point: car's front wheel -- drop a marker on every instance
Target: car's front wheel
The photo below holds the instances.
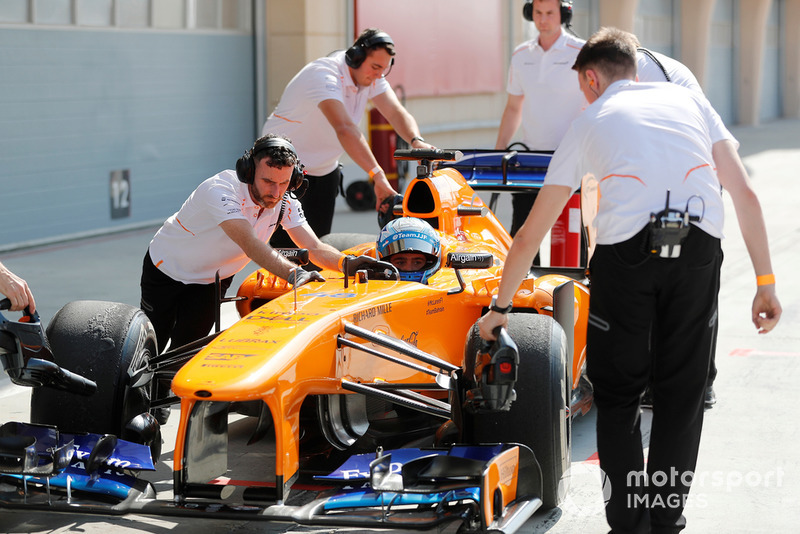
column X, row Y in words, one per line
column 538, row 417
column 109, row 343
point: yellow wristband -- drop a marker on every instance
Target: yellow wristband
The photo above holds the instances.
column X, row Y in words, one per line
column 375, row 171
column 765, row 279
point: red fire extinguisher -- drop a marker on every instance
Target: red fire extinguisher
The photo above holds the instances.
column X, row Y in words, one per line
column 565, row 236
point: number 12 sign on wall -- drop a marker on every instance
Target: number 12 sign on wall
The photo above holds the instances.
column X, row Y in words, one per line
column 120, row 190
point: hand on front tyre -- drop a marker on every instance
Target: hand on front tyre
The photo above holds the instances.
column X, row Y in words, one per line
column 299, row 277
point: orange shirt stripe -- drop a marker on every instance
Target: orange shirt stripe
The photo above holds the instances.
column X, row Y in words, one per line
column 182, row 226
column 288, row 120
column 624, row 176
column 694, row 169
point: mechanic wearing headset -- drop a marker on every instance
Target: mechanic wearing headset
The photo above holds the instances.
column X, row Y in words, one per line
column 642, row 140
column 16, row 289
column 543, row 93
column 223, row 225
column 411, row 245
column 320, row 110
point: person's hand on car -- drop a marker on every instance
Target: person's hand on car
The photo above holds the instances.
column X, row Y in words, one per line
column 351, row 264
column 489, row 322
column 300, row 276
column 16, row 289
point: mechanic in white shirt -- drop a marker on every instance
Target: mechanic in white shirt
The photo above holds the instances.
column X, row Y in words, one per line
column 320, row 110
column 641, row 140
column 656, row 67
column 543, row 92
column 223, row 225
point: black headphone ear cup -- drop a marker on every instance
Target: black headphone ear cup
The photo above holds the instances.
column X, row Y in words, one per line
column 527, row 11
column 245, row 170
column 298, row 176
column 355, row 56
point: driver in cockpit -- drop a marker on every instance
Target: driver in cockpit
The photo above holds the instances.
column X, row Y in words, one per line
column 411, row 245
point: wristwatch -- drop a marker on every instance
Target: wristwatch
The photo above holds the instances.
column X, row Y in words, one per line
column 495, row 308
column 416, row 138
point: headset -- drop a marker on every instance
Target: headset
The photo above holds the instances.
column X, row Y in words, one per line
column 246, row 166
column 566, row 12
column 356, row 54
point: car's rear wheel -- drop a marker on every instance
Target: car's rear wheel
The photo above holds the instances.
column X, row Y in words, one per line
column 538, row 417
column 109, row 343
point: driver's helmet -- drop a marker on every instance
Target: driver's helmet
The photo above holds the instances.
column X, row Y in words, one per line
column 409, row 234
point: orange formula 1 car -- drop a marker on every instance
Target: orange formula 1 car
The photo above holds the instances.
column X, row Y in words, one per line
column 358, row 401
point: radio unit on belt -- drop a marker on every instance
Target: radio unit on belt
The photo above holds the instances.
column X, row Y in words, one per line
column 668, row 229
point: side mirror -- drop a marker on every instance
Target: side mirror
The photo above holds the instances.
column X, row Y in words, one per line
column 467, row 260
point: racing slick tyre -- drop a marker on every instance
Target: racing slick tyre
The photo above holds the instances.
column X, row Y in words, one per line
column 343, row 241
column 109, row 343
column 538, row 417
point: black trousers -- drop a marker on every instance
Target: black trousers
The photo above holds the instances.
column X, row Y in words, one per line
column 319, row 203
column 180, row 313
column 521, row 204
column 651, row 316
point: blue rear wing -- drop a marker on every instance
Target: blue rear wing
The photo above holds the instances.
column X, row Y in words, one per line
column 501, row 170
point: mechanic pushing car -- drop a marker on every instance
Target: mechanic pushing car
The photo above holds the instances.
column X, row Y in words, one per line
column 411, row 245
column 320, row 109
column 660, row 153
column 223, row 225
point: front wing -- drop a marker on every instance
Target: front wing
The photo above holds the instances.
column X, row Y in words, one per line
column 486, row 487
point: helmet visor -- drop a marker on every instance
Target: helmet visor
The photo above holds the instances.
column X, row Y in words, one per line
column 408, row 241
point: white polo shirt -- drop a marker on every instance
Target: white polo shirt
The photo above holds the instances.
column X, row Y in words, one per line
column 649, row 71
column 191, row 245
column 552, row 95
column 640, row 140
column 298, row 116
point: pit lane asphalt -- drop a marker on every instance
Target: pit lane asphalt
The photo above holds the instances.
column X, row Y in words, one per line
column 748, row 475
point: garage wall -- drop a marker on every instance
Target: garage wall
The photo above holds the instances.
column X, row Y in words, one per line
column 165, row 109
column 720, row 86
column 654, row 25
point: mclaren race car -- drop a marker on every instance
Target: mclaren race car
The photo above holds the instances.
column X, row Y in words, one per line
column 364, row 400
